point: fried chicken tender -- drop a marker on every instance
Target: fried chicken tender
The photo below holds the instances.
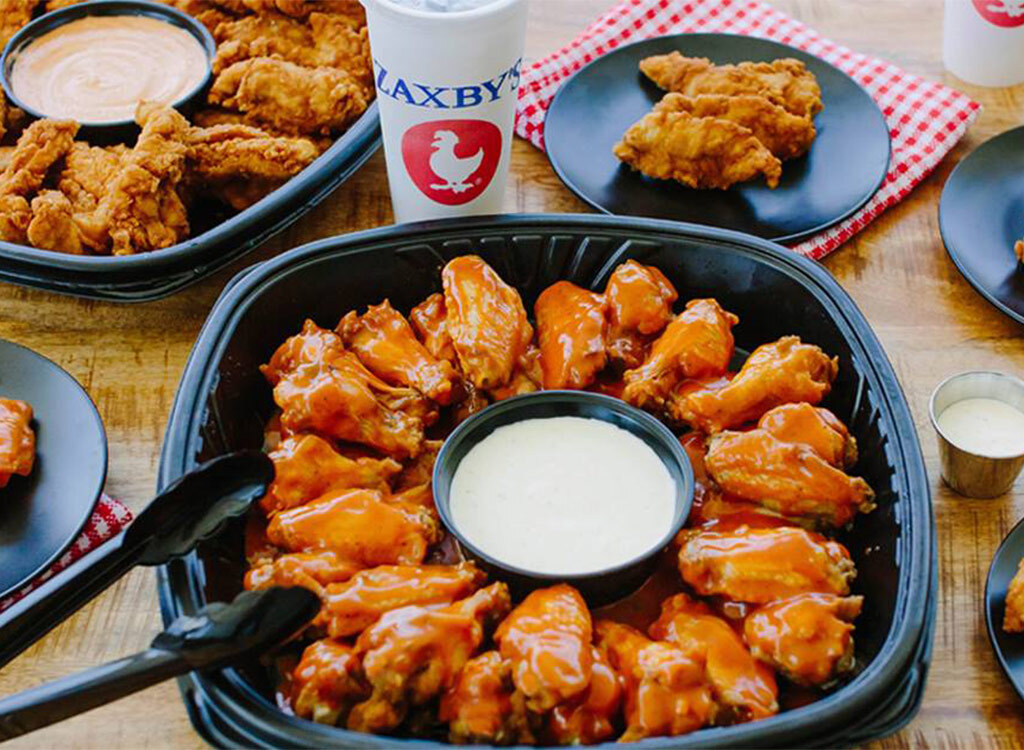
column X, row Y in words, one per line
column 13, row 15
column 547, row 639
column 808, row 638
column 697, row 343
column 743, row 688
column 359, row 526
column 327, row 682
column 53, row 224
column 15, row 217
column 640, row 302
column 385, row 342
column 229, row 152
column 289, row 98
column 303, row 8
column 762, row 565
column 354, row 605
column 1013, row 617
column 786, row 81
column 590, row 717
column 483, row 706
column 310, row 570
column 39, row 148
column 307, row 467
column 486, row 321
column 89, row 172
column 789, row 478
column 699, row 152
column 571, row 330
column 17, row 440
column 142, row 210
column 786, row 135
column 415, row 654
column 785, row 371
column 666, row 693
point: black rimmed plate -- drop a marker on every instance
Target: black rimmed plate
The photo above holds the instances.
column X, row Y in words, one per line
column 1009, row 647
column 981, row 216
column 42, row 514
column 844, row 168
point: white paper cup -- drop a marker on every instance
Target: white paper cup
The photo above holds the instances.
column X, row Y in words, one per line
column 446, row 87
column 983, row 41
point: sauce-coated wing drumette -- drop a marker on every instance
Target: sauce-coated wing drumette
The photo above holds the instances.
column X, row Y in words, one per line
column 592, row 716
column 808, row 638
column 352, row 606
column 414, row 654
column 548, row 640
column 785, row 371
column 666, row 693
column 744, row 688
column 697, row 343
column 311, row 570
column 483, row 707
column 327, row 682
column 486, row 321
column 815, row 427
column 762, row 565
column 571, row 330
column 385, row 342
column 640, row 302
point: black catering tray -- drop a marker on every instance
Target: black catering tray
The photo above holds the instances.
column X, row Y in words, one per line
column 222, row 403
column 149, row 276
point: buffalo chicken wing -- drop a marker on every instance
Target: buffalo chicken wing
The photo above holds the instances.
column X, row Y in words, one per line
column 484, row 707
column 640, row 302
column 17, row 439
column 571, row 331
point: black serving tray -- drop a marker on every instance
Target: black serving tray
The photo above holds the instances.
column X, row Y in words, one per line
column 223, row 401
column 149, row 276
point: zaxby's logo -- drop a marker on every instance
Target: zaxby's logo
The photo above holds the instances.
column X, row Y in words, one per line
column 418, row 94
column 1007, row 14
column 452, row 161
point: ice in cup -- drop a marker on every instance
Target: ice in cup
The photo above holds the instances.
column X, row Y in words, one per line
column 447, row 77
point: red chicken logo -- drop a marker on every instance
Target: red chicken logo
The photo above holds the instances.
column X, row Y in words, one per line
column 452, row 161
column 1007, row 14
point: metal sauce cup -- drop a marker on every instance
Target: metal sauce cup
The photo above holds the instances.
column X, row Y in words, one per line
column 972, row 474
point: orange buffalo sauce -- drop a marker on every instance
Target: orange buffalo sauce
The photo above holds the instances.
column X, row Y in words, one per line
column 97, row 69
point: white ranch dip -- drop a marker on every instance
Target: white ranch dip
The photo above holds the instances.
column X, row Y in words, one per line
column 562, row 495
column 984, row 426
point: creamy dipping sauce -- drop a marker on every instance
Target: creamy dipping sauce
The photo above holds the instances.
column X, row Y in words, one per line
column 984, row 426
column 97, row 69
column 562, row 495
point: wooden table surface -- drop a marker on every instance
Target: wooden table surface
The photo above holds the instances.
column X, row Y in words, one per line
column 129, row 358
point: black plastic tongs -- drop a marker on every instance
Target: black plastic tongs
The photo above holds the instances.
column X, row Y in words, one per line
column 191, row 509
column 216, row 636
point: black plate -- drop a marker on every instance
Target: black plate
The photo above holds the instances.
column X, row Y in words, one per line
column 845, row 166
column 981, row 215
column 42, row 514
column 223, row 402
column 1009, row 647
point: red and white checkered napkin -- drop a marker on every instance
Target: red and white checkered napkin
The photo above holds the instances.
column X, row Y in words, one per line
column 107, row 521
column 925, row 119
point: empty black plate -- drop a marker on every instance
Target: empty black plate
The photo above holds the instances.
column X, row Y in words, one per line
column 845, row 166
column 42, row 514
column 981, row 215
column 1009, row 647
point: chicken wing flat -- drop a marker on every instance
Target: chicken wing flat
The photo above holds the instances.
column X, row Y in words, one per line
column 527, row 376
column 310, row 570
column 1013, row 617
column 227, row 152
column 308, row 347
column 13, row 15
column 699, row 152
column 17, row 439
column 697, row 343
column 385, row 342
column 762, row 565
column 290, row 98
column 307, row 467
column 327, row 682
column 53, row 224
column 571, row 330
column 429, row 320
column 786, row 135
column 785, row 371
column 743, row 688
column 666, row 693
column 817, row 428
column 786, row 81
column 89, row 172
column 486, row 321
column 359, row 526
column 483, row 707
column 354, row 605
column 415, row 654
column 789, row 478
column 590, row 717
column 808, row 638
column 640, row 302
column 547, row 639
